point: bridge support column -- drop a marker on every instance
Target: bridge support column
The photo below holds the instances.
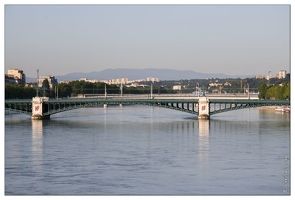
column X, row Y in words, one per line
column 204, row 108
column 37, row 108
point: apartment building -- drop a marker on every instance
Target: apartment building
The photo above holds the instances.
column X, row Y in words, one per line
column 51, row 80
column 15, row 76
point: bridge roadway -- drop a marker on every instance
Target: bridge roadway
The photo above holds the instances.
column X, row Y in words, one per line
column 43, row 107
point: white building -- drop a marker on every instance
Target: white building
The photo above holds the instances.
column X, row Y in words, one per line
column 152, row 79
column 282, row 74
column 137, row 81
column 51, row 80
column 15, row 76
column 260, row 76
column 176, row 87
column 119, row 81
column 90, row 81
column 215, row 84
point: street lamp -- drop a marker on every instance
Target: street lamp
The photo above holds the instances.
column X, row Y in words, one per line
column 197, row 89
column 248, row 91
column 37, row 95
column 268, row 77
column 151, row 90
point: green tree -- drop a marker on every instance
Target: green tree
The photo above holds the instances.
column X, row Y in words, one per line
column 286, row 90
column 46, row 90
column 19, row 92
column 45, row 84
column 64, row 90
column 262, row 91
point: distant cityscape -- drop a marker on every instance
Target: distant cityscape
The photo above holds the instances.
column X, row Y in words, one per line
column 17, row 76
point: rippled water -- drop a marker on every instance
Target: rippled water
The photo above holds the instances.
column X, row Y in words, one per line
column 145, row 150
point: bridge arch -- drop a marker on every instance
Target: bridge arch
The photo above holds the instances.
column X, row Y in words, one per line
column 54, row 108
column 229, row 105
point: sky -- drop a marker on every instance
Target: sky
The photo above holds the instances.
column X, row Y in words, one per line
column 246, row 39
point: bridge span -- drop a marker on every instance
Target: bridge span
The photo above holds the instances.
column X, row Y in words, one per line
column 203, row 107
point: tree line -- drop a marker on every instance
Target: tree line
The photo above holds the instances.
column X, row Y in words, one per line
column 74, row 88
column 280, row 92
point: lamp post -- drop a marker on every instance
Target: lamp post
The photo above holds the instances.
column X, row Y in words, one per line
column 197, row 89
column 248, row 91
column 37, row 95
column 203, row 90
column 105, row 91
column 268, row 77
column 151, row 90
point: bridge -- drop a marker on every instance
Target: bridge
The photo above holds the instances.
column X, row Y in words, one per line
column 203, row 107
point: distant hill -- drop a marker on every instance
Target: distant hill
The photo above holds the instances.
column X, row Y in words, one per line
column 133, row 74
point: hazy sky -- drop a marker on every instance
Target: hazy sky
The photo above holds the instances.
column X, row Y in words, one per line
column 229, row 39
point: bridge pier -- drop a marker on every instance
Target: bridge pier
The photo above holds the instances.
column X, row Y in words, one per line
column 37, row 108
column 204, row 108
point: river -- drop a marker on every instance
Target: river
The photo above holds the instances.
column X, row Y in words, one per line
column 142, row 150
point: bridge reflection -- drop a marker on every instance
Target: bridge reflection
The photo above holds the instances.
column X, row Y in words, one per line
column 37, row 145
column 203, row 153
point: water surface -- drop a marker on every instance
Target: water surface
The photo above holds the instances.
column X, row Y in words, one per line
column 141, row 150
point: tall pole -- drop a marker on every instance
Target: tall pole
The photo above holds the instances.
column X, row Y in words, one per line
column 248, row 91
column 151, row 90
column 105, row 90
column 197, row 89
column 268, row 77
column 37, row 95
column 121, row 88
column 203, row 90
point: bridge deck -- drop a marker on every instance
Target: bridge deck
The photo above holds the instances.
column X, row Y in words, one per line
column 52, row 106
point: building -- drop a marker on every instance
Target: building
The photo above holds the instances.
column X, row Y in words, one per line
column 227, row 84
column 152, row 79
column 119, row 81
column 282, row 74
column 215, row 84
column 51, row 80
column 137, row 81
column 176, row 87
column 15, row 76
column 260, row 77
column 90, row 81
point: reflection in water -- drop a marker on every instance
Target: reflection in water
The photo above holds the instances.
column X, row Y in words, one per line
column 271, row 113
column 147, row 151
column 37, row 144
column 203, row 141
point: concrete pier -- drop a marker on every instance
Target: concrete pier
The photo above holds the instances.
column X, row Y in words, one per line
column 204, row 108
column 37, row 108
